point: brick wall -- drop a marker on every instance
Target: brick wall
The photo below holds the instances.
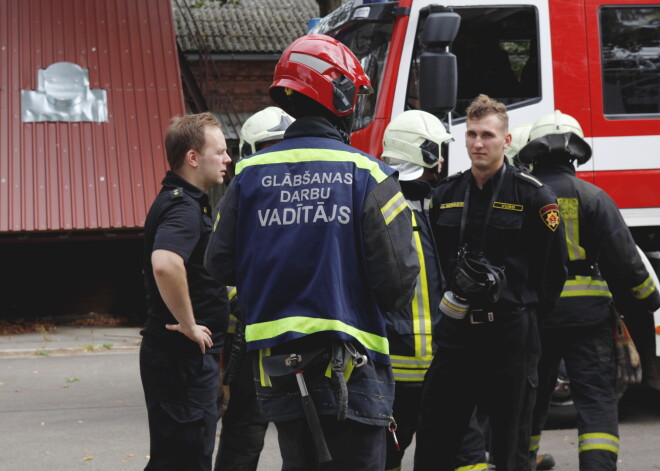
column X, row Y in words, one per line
column 246, row 83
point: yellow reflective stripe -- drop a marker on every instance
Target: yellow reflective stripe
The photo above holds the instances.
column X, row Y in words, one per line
column 569, row 208
column 314, row 155
column 598, row 441
column 348, row 369
column 393, row 207
column 534, row 442
column 408, row 375
column 401, row 361
column 217, row 220
column 263, row 377
column 421, row 309
column 644, row 290
column 311, row 325
column 585, row 286
column 231, row 326
column 472, row 467
column 232, row 292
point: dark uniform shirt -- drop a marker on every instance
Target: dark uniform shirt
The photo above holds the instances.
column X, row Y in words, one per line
column 180, row 221
column 523, row 234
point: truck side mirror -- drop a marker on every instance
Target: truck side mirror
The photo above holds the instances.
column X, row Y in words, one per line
column 438, row 70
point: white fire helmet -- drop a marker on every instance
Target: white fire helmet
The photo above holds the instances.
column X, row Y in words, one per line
column 264, row 126
column 519, row 137
column 555, row 123
column 555, row 137
column 414, row 140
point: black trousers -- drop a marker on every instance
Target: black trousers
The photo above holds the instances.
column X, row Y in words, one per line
column 407, row 404
column 354, row 446
column 589, row 355
column 181, row 394
column 243, row 426
column 476, row 364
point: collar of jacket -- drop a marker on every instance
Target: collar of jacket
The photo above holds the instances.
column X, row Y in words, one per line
column 312, row 126
column 554, row 169
column 416, row 190
column 490, row 183
column 174, row 180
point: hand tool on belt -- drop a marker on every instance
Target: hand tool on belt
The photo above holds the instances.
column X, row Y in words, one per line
column 281, row 365
column 341, row 353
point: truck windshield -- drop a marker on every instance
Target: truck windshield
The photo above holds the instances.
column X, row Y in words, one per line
column 370, row 42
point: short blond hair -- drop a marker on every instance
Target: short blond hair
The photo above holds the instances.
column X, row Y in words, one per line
column 185, row 133
column 484, row 105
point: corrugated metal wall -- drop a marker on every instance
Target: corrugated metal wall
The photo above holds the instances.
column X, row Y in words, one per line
column 86, row 176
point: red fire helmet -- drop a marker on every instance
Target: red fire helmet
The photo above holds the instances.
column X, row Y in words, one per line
column 323, row 69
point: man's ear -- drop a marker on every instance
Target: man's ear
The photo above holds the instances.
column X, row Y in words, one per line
column 192, row 158
column 507, row 140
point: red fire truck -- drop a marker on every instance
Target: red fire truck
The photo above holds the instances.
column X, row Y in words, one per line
column 597, row 60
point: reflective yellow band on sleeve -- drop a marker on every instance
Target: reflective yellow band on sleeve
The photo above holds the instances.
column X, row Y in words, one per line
column 585, row 286
column 393, row 207
column 217, row 220
column 644, row 290
column 421, row 305
column 598, row 441
column 311, row 325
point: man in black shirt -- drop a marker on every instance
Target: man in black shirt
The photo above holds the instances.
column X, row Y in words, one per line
column 502, row 254
column 187, row 310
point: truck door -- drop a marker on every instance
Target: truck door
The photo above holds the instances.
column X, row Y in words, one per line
column 501, row 50
column 624, row 73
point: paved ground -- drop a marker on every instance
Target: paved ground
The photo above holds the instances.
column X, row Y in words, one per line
column 71, row 398
column 68, row 340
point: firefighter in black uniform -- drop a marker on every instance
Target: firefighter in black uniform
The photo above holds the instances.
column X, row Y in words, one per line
column 413, row 144
column 502, row 250
column 187, row 310
column 243, row 425
column 603, row 263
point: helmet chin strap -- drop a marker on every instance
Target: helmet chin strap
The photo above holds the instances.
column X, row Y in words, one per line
column 344, row 125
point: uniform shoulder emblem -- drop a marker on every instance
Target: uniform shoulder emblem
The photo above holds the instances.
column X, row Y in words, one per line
column 451, row 177
column 529, row 179
column 550, row 216
column 176, row 193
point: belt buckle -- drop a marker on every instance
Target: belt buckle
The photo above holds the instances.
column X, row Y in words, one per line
column 491, row 316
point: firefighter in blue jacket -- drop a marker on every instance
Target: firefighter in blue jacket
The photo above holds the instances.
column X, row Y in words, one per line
column 603, row 264
column 316, row 236
column 413, row 144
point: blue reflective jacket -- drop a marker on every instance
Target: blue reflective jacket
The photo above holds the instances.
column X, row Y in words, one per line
column 321, row 241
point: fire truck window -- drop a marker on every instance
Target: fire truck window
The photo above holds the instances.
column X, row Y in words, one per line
column 630, row 57
column 370, row 43
column 497, row 54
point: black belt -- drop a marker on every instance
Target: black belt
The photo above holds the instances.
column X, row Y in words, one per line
column 484, row 316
